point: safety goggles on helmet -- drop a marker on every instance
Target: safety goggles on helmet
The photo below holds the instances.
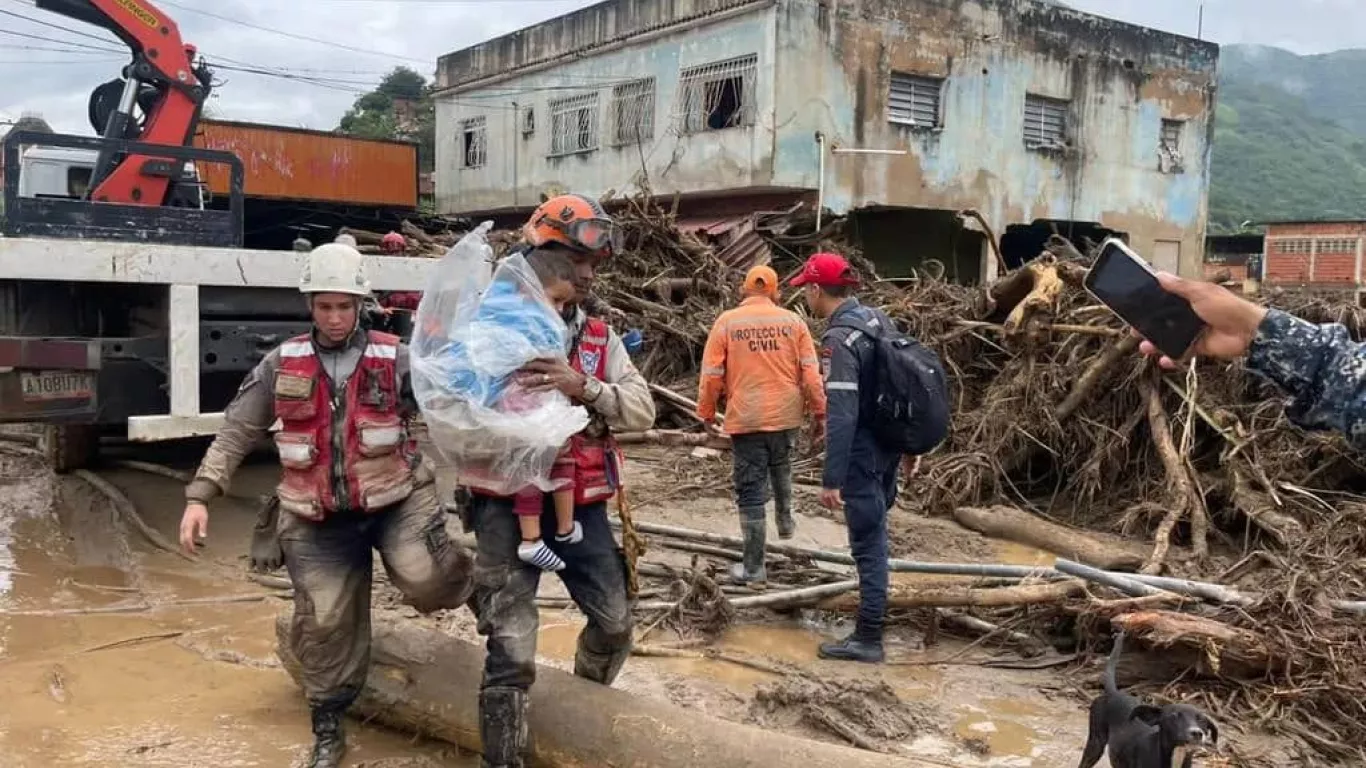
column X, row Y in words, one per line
column 597, row 236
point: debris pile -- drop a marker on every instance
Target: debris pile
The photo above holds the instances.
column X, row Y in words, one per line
column 1197, row 474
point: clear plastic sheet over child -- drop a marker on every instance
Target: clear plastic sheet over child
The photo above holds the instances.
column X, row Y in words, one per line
column 478, row 323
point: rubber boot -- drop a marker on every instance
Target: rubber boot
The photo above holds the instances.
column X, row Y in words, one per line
column 329, row 737
column 502, row 727
column 601, row 668
column 755, row 529
column 863, row 645
column 266, row 554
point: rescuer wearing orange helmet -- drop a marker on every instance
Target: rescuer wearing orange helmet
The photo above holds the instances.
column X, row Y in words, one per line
column 600, row 376
column 761, row 357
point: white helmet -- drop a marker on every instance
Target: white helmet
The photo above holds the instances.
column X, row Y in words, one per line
column 335, row 268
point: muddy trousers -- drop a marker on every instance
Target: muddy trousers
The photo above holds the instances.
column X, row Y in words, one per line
column 505, row 604
column 330, row 564
column 869, row 492
column 760, row 461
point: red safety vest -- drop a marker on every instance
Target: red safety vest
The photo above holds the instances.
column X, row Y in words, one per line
column 596, row 473
column 376, row 452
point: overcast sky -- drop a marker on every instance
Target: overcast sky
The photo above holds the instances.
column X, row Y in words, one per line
column 327, row 77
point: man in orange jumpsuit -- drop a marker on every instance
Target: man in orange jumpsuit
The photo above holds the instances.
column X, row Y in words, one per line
column 762, row 359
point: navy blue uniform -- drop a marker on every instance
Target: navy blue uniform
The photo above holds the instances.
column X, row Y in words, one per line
column 863, row 472
column 1322, row 369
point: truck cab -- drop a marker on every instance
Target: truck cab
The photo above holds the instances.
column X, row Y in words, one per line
column 64, row 173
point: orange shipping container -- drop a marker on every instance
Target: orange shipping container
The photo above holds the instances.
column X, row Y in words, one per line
column 297, row 164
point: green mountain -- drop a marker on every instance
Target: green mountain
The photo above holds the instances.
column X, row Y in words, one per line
column 1289, row 137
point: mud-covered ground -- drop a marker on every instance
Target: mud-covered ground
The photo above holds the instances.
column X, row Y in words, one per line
column 115, row 654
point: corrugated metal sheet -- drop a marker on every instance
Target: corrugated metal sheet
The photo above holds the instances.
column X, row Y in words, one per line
column 294, row 164
column 735, row 238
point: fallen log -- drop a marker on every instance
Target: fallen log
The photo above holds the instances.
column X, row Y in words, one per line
column 1220, row 647
column 1000, row 522
column 991, row 570
column 670, row 437
column 900, row 596
column 425, row 682
column 792, row 598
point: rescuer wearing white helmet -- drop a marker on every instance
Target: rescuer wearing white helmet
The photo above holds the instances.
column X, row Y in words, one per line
column 351, row 482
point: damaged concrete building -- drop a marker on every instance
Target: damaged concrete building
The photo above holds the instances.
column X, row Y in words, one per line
column 901, row 113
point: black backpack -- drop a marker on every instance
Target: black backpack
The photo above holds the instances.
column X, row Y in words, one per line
column 910, row 401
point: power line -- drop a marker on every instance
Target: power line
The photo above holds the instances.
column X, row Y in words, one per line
column 49, row 24
column 46, row 39
column 282, row 33
column 14, row 47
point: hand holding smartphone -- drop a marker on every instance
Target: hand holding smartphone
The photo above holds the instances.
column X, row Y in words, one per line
column 1121, row 280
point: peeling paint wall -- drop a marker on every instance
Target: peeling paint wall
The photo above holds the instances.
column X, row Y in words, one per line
column 825, row 66
column 519, row 167
column 835, row 62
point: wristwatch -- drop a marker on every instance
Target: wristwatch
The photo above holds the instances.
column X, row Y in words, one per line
column 592, row 389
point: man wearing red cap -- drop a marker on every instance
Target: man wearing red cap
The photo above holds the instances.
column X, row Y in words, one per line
column 859, row 475
column 762, row 359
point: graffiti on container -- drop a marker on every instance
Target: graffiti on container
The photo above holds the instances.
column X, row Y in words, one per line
column 256, row 160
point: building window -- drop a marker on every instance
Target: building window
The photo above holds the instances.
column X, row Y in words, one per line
column 1337, row 246
column 1169, row 147
column 633, row 112
column 1294, row 245
column 574, row 124
column 1045, row 122
column 914, row 100
column 528, row 122
column 473, row 142
column 717, row 96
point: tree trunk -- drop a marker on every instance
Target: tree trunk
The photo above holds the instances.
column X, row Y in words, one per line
column 1019, row 526
column 427, row 682
column 900, row 596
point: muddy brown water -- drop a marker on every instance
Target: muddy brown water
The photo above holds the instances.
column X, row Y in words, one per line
column 91, row 676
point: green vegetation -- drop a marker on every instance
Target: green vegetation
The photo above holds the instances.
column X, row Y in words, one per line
column 400, row 107
column 1290, row 137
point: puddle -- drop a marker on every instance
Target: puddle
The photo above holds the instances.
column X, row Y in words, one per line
column 996, row 729
column 1011, row 553
column 190, row 687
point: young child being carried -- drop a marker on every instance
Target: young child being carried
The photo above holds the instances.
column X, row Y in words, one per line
column 556, row 273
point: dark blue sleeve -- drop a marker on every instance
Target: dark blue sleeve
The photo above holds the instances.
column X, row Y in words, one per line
column 841, row 368
column 1321, row 368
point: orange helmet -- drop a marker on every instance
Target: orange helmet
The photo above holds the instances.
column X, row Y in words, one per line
column 573, row 221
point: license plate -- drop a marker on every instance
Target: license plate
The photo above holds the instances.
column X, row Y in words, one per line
column 46, row 386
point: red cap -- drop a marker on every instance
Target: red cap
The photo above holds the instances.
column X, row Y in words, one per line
column 826, row 269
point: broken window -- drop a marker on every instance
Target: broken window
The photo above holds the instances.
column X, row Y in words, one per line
column 1294, row 245
column 914, row 100
column 473, row 142
column 1045, row 122
column 1169, row 147
column 633, row 112
column 574, row 124
column 717, row 96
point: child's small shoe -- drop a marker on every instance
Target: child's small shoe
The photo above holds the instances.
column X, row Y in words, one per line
column 574, row 536
column 538, row 554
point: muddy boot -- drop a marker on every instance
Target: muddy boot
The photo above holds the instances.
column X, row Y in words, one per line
column 266, row 554
column 782, row 504
column 751, row 571
column 329, row 738
column 860, row 646
column 502, row 727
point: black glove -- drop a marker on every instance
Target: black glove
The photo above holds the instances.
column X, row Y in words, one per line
column 266, row 554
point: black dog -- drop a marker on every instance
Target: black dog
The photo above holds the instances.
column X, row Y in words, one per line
column 1141, row 735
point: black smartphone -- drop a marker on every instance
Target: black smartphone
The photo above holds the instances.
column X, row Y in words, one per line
column 1124, row 282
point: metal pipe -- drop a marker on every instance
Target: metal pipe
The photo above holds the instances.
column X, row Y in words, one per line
column 820, row 179
column 1123, row 582
column 862, row 151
